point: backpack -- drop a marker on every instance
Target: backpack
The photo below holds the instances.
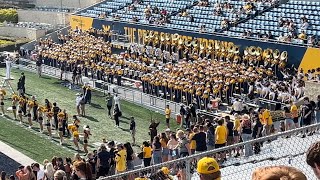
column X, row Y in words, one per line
column 120, row 113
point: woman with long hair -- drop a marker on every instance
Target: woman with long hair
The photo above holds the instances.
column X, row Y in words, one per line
column 116, row 114
column 156, row 150
column 49, row 172
column 183, row 144
column 86, row 134
column 172, row 143
column 147, row 154
column 40, row 117
column 60, row 126
column 165, row 151
column 82, row 170
column 48, row 123
column 246, row 134
column 130, row 156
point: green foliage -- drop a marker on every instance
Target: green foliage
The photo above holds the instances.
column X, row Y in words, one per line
column 9, row 15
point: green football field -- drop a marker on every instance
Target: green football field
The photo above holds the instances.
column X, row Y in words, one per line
column 38, row 147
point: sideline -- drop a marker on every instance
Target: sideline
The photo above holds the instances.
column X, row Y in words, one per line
column 16, row 155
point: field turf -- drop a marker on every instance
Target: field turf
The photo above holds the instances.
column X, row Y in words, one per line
column 37, row 145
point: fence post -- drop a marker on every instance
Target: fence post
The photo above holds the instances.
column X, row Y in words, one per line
column 141, row 98
column 188, row 169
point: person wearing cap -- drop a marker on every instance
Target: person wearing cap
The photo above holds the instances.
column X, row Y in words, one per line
column 121, row 159
column 246, row 134
column 208, row 169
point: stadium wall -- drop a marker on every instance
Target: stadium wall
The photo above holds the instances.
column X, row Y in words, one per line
column 49, row 17
column 66, row 3
column 22, row 32
column 296, row 54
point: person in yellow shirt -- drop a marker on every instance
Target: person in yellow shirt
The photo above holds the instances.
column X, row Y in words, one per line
column 267, row 122
column 236, row 129
column 190, row 135
column 221, row 134
column 208, row 169
column 121, row 159
column 294, row 114
column 168, row 115
column 147, row 154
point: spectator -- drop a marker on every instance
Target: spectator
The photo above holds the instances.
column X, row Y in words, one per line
column 93, row 164
column 103, row 161
column 313, row 158
column 278, row 172
column 230, row 132
column 306, row 114
column 130, row 156
column 208, row 169
column 172, row 144
column 156, row 150
column 121, row 159
column 246, row 134
column 117, row 101
column 164, row 148
column 210, row 136
column 147, row 154
column 82, row 170
column 317, row 110
column 183, row 144
column 40, row 172
column 221, row 134
column 49, row 171
column 200, row 139
column 60, row 175
column 288, row 118
column 237, row 106
column 112, row 151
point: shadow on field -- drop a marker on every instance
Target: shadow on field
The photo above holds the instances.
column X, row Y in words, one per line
column 45, row 77
column 98, row 106
column 91, row 118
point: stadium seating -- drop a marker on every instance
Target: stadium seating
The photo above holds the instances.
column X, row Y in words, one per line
column 292, row 10
column 105, row 7
column 203, row 15
column 171, row 6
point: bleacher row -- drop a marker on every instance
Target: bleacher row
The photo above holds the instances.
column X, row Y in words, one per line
column 263, row 16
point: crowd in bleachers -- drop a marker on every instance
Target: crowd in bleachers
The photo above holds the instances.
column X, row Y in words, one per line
column 266, row 20
column 294, row 21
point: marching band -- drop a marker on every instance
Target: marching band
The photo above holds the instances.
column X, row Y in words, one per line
column 180, row 71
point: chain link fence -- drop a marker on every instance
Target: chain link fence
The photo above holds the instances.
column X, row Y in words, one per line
column 282, row 148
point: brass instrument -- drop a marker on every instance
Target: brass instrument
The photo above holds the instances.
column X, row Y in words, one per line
column 267, row 53
column 210, row 46
column 188, row 43
column 217, row 45
column 175, row 37
column 258, row 51
column 246, row 52
column 180, row 42
column 282, row 64
column 236, row 49
column 168, row 38
column 202, row 46
column 252, row 50
column 284, row 56
column 276, row 54
column 162, row 37
column 194, row 43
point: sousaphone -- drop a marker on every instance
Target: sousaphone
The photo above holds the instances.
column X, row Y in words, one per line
column 258, row 51
column 284, row 56
column 276, row 54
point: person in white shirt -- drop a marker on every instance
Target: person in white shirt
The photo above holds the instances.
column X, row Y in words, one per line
column 237, row 106
column 40, row 172
column 117, row 101
column 79, row 100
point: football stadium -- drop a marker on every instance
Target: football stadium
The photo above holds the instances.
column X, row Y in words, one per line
column 160, row 89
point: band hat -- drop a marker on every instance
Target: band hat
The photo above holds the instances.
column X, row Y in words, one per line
column 207, row 165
